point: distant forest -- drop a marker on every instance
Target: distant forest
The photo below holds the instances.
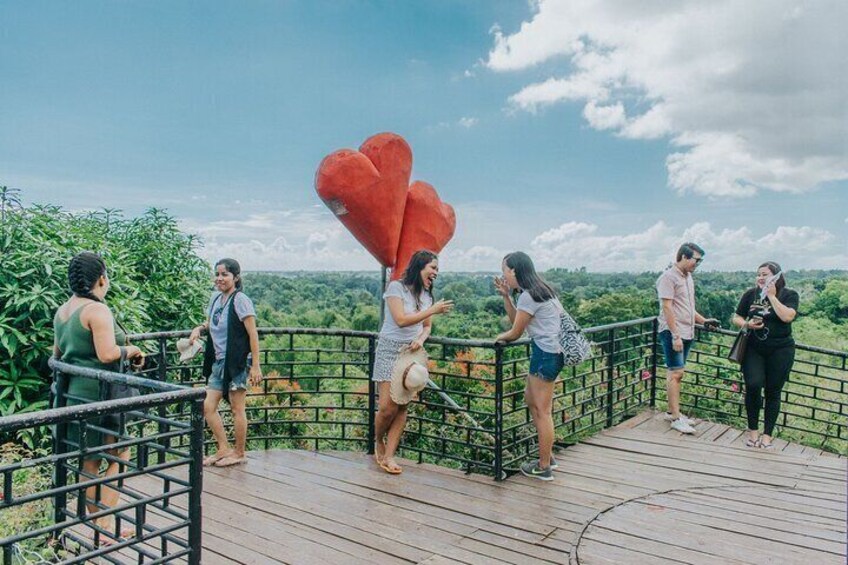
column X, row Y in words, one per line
column 351, row 300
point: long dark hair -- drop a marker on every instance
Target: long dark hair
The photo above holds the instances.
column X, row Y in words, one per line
column 84, row 271
column 232, row 266
column 412, row 275
column 528, row 279
column 775, row 268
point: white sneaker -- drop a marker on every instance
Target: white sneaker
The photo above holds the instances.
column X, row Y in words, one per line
column 682, row 426
column 669, row 418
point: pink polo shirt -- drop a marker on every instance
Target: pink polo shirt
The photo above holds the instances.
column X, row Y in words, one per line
column 680, row 288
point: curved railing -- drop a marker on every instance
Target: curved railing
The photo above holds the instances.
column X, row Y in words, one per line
column 317, row 394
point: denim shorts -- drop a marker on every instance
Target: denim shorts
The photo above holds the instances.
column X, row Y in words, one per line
column 545, row 365
column 674, row 360
column 216, row 379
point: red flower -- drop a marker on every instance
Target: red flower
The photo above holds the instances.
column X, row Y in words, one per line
column 646, row 375
column 734, row 387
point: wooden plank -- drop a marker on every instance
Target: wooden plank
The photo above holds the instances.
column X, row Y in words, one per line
column 782, row 523
column 656, row 548
column 594, row 552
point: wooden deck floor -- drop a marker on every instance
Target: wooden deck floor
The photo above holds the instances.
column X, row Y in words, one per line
column 632, row 494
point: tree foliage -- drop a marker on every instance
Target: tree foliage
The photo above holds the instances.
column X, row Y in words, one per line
column 158, row 282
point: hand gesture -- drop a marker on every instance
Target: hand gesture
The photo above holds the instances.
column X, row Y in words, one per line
column 712, row 324
column 442, row 306
column 416, row 344
column 771, row 290
column 755, row 323
column 195, row 335
column 501, row 287
column 255, row 376
column 677, row 344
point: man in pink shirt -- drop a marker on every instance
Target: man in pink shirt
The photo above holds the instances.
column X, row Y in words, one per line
column 677, row 319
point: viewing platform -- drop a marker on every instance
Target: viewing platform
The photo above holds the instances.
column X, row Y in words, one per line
column 635, row 493
column 627, row 490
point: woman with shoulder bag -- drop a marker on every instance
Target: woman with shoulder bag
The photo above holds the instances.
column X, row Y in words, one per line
column 232, row 339
column 537, row 310
column 767, row 312
column 86, row 335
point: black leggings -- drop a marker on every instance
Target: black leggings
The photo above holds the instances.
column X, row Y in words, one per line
column 769, row 369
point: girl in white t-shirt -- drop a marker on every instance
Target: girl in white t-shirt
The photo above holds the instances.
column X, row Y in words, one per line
column 407, row 319
column 538, row 311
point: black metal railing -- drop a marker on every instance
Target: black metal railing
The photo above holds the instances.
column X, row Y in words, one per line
column 145, row 506
column 814, row 402
column 317, row 393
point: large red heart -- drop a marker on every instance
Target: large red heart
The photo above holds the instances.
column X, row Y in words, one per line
column 367, row 191
column 428, row 223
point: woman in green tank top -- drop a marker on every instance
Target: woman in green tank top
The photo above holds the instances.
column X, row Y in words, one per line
column 86, row 335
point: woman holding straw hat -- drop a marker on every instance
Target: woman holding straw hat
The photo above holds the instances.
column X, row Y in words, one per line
column 409, row 309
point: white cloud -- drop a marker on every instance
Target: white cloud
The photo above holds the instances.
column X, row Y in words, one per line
column 752, row 95
column 282, row 240
column 467, row 122
column 574, row 245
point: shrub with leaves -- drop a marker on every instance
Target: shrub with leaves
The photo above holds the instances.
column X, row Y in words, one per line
column 158, row 283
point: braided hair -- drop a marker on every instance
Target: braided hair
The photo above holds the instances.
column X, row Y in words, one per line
column 85, row 270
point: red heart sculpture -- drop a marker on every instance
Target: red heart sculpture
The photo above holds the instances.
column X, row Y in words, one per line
column 428, row 223
column 367, row 191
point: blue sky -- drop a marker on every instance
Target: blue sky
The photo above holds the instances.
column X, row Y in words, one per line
column 581, row 132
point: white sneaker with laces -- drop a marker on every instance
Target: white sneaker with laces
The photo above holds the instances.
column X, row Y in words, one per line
column 681, row 426
column 668, row 417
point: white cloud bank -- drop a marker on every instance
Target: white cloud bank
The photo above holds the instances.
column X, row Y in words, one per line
column 312, row 239
column 751, row 94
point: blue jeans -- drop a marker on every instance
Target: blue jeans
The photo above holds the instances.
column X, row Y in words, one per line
column 674, row 360
column 545, row 365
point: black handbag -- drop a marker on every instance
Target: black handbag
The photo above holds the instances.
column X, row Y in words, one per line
column 740, row 345
column 119, row 391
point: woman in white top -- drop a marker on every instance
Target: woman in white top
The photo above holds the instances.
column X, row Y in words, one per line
column 538, row 311
column 407, row 320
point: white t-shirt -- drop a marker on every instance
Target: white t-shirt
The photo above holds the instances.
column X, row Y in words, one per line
column 544, row 325
column 390, row 329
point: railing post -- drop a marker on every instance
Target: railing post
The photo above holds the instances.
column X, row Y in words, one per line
column 195, row 469
column 610, row 376
column 654, row 337
column 162, row 370
column 60, row 473
column 499, row 399
column 372, row 393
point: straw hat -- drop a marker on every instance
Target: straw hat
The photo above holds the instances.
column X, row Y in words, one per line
column 409, row 375
column 187, row 349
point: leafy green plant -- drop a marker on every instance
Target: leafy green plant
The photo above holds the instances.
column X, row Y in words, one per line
column 158, row 282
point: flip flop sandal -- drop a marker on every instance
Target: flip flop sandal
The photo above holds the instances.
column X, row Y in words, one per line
column 378, row 459
column 392, row 470
column 229, row 461
column 752, row 442
column 212, row 460
column 767, row 445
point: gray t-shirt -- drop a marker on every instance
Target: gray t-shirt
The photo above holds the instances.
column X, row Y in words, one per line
column 218, row 331
column 390, row 329
column 544, row 325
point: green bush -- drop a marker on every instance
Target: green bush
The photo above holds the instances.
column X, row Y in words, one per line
column 158, row 283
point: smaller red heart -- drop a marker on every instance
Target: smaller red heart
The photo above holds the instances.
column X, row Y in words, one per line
column 428, row 223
